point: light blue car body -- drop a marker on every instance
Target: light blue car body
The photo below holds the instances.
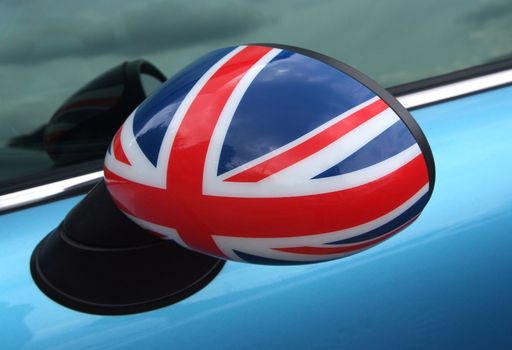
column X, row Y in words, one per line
column 443, row 283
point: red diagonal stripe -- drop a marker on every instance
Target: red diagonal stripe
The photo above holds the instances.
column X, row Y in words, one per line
column 117, row 148
column 270, row 217
column 309, row 146
column 190, row 146
column 306, row 215
column 348, row 248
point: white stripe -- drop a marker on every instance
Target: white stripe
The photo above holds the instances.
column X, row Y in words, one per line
column 298, row 141
column 337, row 151
column 297, row 179
column 337, row 245
column 368, row 174
column 143, row 171
column 170, row 134
column 265, row 246
column 168, row 232
column 289, row 256
column 210, row 179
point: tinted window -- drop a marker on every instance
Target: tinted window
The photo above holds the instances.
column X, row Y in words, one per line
column 51, row 49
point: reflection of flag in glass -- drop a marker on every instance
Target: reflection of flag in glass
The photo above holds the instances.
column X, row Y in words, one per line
column 265, row 155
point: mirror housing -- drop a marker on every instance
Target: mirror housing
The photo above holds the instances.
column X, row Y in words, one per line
column 271, row 154
column 265, row 154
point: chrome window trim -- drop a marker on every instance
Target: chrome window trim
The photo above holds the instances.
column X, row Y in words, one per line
column 409, row 100
column 39, row 193
column 455, row 89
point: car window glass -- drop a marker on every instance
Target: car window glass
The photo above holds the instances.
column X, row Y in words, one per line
column 52, row 49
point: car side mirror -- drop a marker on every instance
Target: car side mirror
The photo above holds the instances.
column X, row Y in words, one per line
column 265, row 154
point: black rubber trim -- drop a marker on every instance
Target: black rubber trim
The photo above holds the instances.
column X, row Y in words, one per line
column 383, row 94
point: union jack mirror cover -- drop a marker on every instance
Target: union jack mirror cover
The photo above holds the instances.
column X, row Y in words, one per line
column 271, row 154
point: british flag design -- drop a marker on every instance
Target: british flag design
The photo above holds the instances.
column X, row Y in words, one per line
column 266, row 155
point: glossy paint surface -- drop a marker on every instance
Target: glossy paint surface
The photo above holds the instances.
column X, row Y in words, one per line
column 442, row 283
column 272, row 156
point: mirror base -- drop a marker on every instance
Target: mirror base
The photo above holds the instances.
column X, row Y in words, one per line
column 110, row 266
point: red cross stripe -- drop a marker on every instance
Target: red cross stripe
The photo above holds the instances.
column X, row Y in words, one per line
column 200, row 217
